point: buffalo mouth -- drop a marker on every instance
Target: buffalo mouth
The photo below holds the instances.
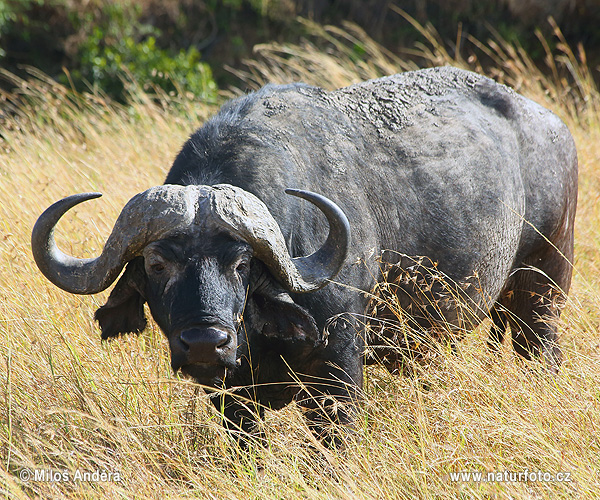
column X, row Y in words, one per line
column 209, row 375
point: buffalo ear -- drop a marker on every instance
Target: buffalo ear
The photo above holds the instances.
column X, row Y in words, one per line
column 124, row 309
column 276, row 315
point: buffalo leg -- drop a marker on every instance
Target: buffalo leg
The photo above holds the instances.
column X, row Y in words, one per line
column 330, row 391
column 498, row 329
column 535, row 305
column 330, row 410
column 240, row 413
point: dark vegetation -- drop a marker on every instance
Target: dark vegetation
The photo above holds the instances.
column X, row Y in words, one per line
column 190, row 46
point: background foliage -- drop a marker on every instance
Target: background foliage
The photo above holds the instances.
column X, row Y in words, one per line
column 180, row 44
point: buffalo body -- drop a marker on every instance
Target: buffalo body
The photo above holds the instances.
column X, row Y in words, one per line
column 440, row 163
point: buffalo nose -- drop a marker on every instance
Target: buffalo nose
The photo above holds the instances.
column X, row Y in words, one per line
column 203, row 345
column 203, row 338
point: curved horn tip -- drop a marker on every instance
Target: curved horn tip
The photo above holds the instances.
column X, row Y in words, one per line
column 315, row 197
column 300, row 193
column 61, row 269
column 69, row 202
column 59, row 208
column 321, row 267
column 48, row 219
column 92, row 194
column 81, row 197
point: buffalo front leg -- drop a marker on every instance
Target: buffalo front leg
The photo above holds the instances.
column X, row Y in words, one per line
column 535, row 332
column 330, row 392
column 498, row 329
column 240, row 413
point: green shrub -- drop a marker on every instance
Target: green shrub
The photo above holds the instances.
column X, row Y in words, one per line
column 121, row 48
column 108, row 62
column 102, row 45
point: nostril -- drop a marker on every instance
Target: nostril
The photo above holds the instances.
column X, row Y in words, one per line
column 185, row 341
column 226, row 340
column 201, row 344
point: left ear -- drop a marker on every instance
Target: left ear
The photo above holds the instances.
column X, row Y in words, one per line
column 124, row 309
column 274, row 314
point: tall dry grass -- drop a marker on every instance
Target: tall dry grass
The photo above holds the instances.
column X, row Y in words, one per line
column 70, row 402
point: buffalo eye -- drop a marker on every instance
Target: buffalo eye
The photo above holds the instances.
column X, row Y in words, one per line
column 157, row 268
column 242, row 267
column 155, row 265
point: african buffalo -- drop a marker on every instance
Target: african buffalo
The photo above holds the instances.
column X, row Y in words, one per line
column 255, row 291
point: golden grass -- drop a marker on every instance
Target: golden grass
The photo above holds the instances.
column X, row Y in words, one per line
column 69, row 402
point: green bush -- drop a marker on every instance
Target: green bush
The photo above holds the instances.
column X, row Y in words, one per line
column 120, row 48
column 7, row 16
column 102, row 45
column 107, row 62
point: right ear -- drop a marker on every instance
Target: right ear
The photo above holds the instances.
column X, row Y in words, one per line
column 124, row 309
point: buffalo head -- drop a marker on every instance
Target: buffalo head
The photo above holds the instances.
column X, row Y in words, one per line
column 206, row 259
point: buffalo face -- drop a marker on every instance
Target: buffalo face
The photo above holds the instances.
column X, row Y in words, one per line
column 196, row 292
column 199, row 256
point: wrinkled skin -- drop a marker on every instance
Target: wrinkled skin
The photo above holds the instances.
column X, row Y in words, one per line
column 440, row 163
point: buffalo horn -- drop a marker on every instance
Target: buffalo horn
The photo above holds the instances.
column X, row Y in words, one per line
column 147, row 217
column 246, row 216
column 166, row 210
